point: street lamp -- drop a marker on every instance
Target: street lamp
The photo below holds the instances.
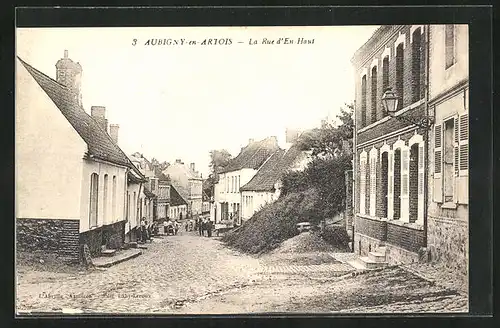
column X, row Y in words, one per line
column 390, row 101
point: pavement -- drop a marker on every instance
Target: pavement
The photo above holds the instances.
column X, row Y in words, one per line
column 187, row 274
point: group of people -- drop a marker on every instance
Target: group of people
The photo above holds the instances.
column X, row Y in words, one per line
column 205, row 226
column 147, row 230
column 169, row 225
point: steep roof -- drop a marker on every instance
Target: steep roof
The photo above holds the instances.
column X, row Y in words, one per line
column 99, row 143
column 273, row 169
column 148, row 193
column 253, row 155
column 175, row 198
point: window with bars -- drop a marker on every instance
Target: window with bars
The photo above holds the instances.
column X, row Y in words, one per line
column 363, row 101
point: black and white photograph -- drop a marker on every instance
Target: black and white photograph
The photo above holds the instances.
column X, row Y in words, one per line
column 223, row 170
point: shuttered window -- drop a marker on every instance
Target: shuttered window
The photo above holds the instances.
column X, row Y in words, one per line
column 373, row 181
column 464, row 143
column 437, row 149
column 362, row 183
column 404, row 171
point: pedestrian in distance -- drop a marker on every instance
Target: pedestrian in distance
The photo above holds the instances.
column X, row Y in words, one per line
column 200, row 227
column 176, row 227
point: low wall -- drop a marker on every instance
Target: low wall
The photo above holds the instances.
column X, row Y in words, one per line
column 371, row 227
column 448, row 241
column 405, row 236
column 51, row 236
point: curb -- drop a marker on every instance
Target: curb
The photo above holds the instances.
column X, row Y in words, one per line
column 107, row 265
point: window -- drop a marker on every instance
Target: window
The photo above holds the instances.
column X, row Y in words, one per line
column 105, row 199
column 384, row 174
column 134, row 207
column 451, row 160
column 385, row 73
column 373, row 180
column 94, row 200
column 113, row 199
column 397, row 185
column 374, row 93
column 448, row 165
column 450, row 48
column 416, row 64
column 127, row 206
column 363, row 101
column 362, row 182
column 400, row 74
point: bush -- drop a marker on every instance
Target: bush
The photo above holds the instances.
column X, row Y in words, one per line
column 273, row 224
column 336, row 235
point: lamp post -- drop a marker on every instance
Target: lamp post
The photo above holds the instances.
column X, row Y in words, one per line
column 390, row 101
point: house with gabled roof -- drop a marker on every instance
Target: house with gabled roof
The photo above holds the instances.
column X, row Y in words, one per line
column 189, row 184
column 74, row 185
column 239, row 171
column 178, row 205
column 265, row 186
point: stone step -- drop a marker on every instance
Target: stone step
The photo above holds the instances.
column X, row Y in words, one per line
column 369, row 264
column 108, row 252
column 376, row 256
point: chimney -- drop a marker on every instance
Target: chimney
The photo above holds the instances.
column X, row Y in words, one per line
column 113, row 132
column 192, row 167
column 178, row 161
column 69, row 74
column 99, row 114
column 250, row 141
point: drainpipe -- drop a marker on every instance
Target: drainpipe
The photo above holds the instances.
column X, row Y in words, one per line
column 426, row 152
column 354, row 156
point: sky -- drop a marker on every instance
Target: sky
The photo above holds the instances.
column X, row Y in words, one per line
column 181, row 101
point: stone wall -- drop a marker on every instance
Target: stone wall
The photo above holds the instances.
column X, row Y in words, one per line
column 51, row 236
column 93, row 239
column 448, row 243
column 364, row 244
column 396, row 255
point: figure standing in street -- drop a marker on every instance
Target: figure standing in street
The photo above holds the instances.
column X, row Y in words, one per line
column 209, row 228
column 176, row 226
column 200, row 228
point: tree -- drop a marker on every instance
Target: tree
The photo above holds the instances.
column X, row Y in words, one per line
column 331, row 148
column 219, row 158
column 330, row 140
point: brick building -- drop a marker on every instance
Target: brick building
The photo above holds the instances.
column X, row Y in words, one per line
column 389, row 169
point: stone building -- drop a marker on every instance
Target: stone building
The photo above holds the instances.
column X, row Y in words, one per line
column 448, row 215
column 239, row 171
column 389, row 153
column 81, row 200
column 189, row 183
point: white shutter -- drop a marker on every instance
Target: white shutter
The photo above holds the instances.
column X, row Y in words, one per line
column 456, row 159
column 373, row 181
column 438, row 164
column 362, row 183
column 390, row 185
column 405, row 184
column 421, row 177
column 463, row 148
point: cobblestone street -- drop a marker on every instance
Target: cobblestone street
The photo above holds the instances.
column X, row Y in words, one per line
column 192, row 274
column 173, row 269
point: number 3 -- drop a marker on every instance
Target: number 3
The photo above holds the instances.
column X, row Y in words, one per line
column 134, row 42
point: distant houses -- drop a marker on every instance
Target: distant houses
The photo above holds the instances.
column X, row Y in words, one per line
column 74, row 185
column 253, row 178
column 188, row 183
